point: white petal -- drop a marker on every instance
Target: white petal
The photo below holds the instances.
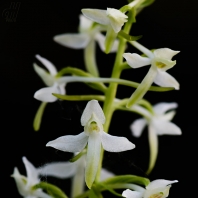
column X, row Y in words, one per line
column 58, row 169
column 164, row 79
column 85, row 23
column 92, row 107
column 158, row 183
column 165, row 127
column 162, row 107
column 115, row 144
column 132, row 194
column 105, row 174
column 51, row 68
column 100, row 38
column 62, row 88
column 117, row 19
column 169, row 116
column 136, row 61
column 99, row 16
column 47, row 78
column 40, row 194
column 45, row 94
column 138, row 126
column 32, row 174
column 93, row 158
column 165, row 53
column 75, row 41
column 70, row 143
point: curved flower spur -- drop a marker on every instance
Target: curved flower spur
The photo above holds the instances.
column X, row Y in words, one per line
column 93, row 136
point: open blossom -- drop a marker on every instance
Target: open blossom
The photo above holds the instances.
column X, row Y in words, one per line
column 25, row 184
column 113, row 17
column 156, row 189
column 160, row 61
column 48, row 77
column 158, row 124
column 74, row 170
column 85, row 39
column 87, row 34
column 94, row 137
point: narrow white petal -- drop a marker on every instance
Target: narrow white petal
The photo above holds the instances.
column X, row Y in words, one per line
column 164, row 79
column 138, row 126
column 132, row 194
column 62, row 88
column 40, row 194
column 32, row 173
column 105, row 174
column 136, row 61
column 47, row 78
column 70, row 143
column 162, row 107
column 51, row 68
column 100, row 38
column 58, row 169
column 85, row 23
column 92, row 107
column 75, row 41
column 99, row 16
column 165, row 53
column 163, row 127
column 158, row 183
column 115, row 144
column 45, row 94
column 93, row 158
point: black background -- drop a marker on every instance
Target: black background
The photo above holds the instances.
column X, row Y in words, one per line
column 166, row 23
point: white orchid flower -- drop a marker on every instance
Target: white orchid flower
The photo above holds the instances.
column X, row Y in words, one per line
column 74, row 170
column 156, row 189
column 158, row 124
column 45, row 94
column 113, row 17
column 25, row 184
column 85, row 39
column 92, row 119
column 49, row 78
column 160, row 61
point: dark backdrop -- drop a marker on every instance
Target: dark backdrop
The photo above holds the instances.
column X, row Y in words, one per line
column 166, row 23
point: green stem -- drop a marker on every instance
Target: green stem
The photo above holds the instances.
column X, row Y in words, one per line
column 112, row 89
column 79, row 97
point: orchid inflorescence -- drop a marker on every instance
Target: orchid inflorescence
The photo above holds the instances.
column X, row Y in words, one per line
column 89, row 178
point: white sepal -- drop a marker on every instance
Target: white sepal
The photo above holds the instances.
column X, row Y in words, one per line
column 75, row 41
column 136, row 61
column 138, row 126
column 99, row 16
column 164, row 79
column 92, row 107
column 132, row 194
column 50, row 66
